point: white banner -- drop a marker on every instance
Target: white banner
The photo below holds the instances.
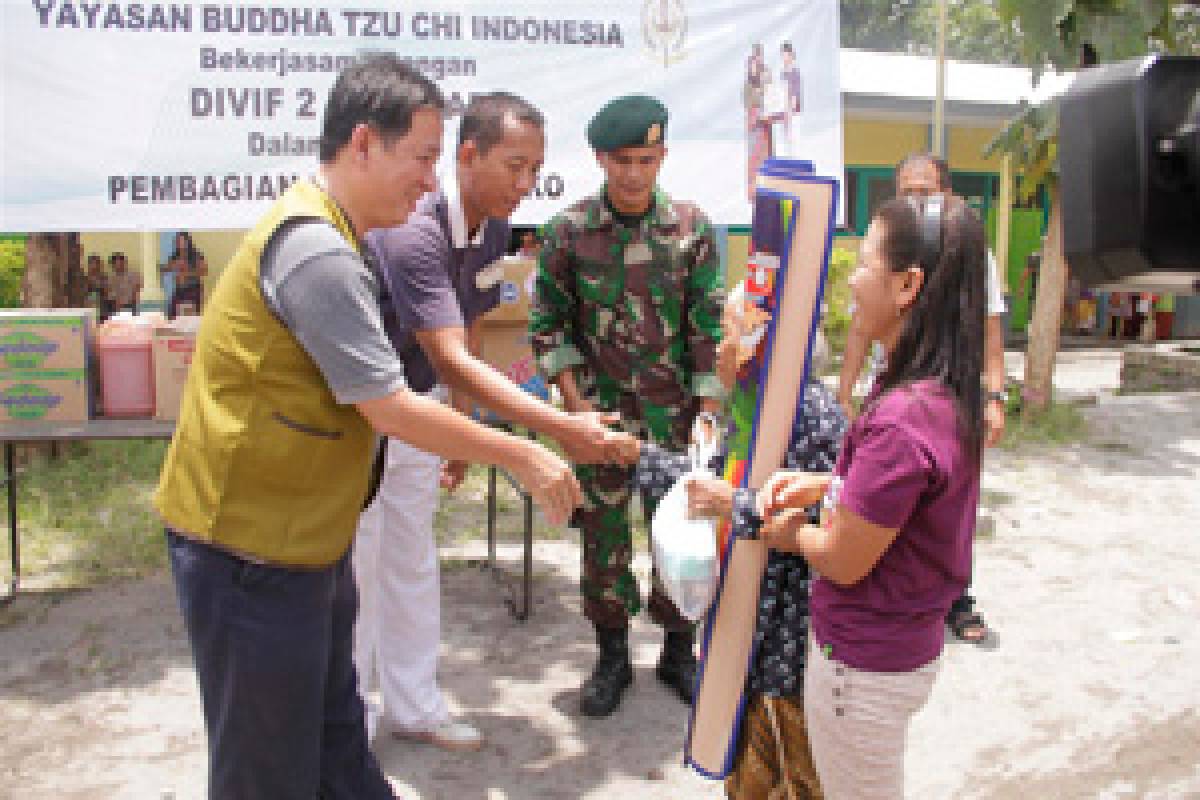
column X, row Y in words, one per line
column 145, row 116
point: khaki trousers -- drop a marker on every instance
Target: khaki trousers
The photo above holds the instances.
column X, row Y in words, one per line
column 858, row 723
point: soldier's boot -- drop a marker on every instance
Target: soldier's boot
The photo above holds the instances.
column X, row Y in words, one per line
column 677, row 664
column 612, row 674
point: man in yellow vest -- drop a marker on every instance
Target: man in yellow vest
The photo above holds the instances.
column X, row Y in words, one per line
column 292, row 380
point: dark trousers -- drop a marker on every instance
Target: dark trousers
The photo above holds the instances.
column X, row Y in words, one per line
column 272, row 648
column 187, row 294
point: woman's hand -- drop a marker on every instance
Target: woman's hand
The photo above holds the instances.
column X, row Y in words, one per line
column 709, row 497
column 727, row 361
column 791, row 489
column 779, row 533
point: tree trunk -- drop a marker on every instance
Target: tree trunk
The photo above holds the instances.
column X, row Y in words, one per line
column 1047, row 315
column 53, row 271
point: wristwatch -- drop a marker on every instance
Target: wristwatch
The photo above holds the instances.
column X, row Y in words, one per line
column 997, row 397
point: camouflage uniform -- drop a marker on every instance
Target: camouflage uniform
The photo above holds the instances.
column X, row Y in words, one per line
column 635, row 313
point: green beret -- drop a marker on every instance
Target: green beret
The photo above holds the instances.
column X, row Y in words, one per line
column 634, row 120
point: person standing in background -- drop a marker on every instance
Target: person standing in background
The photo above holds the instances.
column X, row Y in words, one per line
column 125, row 287
column 98, row 290
column 188, row 266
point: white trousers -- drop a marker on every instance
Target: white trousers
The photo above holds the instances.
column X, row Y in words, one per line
column 858, row 723
column 398, row 630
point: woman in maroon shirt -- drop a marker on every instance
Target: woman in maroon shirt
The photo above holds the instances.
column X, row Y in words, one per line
column 895, row 549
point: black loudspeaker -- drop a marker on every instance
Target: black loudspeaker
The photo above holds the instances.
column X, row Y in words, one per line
column 1129, row 168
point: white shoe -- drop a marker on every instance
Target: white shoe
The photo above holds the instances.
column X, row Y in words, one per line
column 450, row 735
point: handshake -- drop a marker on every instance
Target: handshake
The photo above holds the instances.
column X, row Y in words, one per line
column 586, row 438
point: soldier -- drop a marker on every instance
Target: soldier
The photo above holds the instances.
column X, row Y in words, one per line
column 627, row 319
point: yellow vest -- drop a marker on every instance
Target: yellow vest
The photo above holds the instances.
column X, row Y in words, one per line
column 264, row 461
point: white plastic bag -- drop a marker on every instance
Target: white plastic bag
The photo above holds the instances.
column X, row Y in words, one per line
column 685, row 550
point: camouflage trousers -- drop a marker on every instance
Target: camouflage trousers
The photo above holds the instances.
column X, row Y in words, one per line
column 611, row 595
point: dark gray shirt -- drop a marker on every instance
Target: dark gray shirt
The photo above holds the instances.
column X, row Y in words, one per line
column 435, row 277
column 329, row 298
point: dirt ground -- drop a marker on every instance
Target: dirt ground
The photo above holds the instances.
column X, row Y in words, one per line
column 1087, row 571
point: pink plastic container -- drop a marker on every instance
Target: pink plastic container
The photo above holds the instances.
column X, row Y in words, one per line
column 126, row 371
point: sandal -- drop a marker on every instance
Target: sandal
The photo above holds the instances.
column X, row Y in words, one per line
column 968, row 626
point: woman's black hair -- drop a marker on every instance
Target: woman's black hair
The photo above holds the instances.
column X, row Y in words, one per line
column 192, row 256
column 942, row 337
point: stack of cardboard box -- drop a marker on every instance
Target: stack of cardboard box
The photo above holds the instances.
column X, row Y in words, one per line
column 505, row 330
column 173, row 346
column 47, row 365
column 44, row 365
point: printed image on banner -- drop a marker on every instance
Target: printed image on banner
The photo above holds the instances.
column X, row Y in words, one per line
column 159, row 116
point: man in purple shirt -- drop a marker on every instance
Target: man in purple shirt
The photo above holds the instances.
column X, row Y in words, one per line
column 442, row 273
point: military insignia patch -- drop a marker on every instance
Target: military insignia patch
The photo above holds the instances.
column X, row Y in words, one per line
column 654, row 134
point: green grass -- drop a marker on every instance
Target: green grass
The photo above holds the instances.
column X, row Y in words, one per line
column 86, row 516
column 1059, row 424
column 995, row 498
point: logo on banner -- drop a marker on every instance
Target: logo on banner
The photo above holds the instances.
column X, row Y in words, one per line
column 664, row 27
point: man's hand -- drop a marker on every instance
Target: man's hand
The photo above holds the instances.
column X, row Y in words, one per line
column 993, row 422
column 550, row 482
column 709, row 497
column 453, row 474
column 788, row 490
column 624, row 448
column 589, row 439
column 577, row 405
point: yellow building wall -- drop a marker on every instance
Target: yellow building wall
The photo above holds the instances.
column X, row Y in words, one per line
column 874, row 143
column 737, row 252
column 965, row 146
column 882, row 143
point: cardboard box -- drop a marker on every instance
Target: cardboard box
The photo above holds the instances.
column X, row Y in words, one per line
column 44, row 395
column 37, row 338
column 505, row 345
column 516, row 290
column 173, row 348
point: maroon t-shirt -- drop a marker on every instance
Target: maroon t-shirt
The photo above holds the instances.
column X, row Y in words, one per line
column 902, row 466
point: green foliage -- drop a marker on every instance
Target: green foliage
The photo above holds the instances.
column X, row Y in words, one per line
column 12, row 269
column 1054, row 32
column 974, row 31
column 837, row 297
column 1032, row 139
